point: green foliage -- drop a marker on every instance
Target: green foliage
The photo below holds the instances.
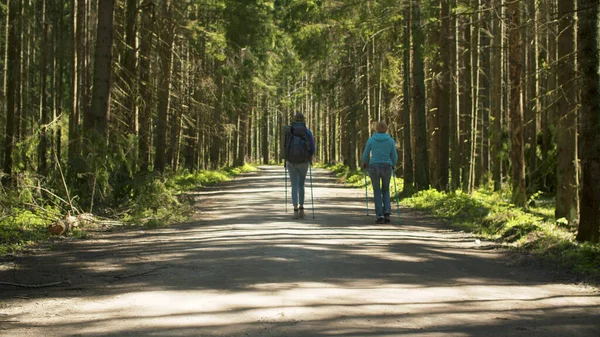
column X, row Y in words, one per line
column 158, row 201
column 25, row 213
column 153, row 201
column 534, row 230
column 356, row 178
column 188, row 181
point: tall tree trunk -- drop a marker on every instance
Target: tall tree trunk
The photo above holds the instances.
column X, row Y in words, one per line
column 443, row 110
column 408, row 170
column 567, row 198
column 474, row 53
column 484, row 91
column 59, row 54
column 533, row 98
column 164, row 86
column 216, row 129
column 550, row 113
column 75, row 108
column 455, row 158
column 496, row 108
column 175, row 112
column 14, row 64
column 265, row 129
column 129, row 66
column 419, row 128
column 102, row 72
column 517, row 151
column 44, row 94
column 145, row 112
column 589, row 224
column 466, row 111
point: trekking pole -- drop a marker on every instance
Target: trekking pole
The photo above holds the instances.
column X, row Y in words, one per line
column 285, row 173
column 397, row 200
column 366, row 192
column 311, row 192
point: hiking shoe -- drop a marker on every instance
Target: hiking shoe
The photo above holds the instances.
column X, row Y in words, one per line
column 380, row 220
column 296, row 214
column 301, row 212
column 386, row 218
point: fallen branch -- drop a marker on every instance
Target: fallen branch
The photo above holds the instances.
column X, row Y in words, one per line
column 35, row 285
column 140, row 274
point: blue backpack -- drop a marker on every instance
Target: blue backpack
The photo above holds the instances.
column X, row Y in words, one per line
column 298, row 145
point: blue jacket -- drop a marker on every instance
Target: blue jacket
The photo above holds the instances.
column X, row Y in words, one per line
column 382, row 148
column 311, row 140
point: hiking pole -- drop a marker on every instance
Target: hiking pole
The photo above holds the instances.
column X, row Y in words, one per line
column 397, row 200
column 312, row 197
column 366, row 192
column 285, row 173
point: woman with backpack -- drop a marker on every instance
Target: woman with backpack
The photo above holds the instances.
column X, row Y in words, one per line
column 381, row 147
column 301, row 147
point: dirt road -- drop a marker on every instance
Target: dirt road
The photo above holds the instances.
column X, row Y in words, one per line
column 244, row 267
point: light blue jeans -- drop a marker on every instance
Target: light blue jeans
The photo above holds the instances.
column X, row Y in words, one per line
column 380, row 177
column 297, row 179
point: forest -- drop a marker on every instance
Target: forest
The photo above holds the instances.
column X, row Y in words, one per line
column 104, row 100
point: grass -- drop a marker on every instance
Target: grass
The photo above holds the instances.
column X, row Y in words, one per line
column 187, row 181
column 491, row 216
column 155, row 201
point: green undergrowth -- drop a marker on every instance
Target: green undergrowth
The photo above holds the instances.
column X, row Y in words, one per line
column 153, row 201
column 533, row 230
column 187, row 181
column 163, row 201
column 358, row 178
column 491, row 216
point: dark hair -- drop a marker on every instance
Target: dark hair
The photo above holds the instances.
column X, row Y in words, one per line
column 299, row 117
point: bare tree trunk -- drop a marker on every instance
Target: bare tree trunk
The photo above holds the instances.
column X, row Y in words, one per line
column 265, row 129
column 164, row 86
column 44, row 113
column 77, row 54
column 550, row 112
column 533, row 90
column 129, row 65
column 408, row 170
column 589, row 223
column 12, row 86
column 455, row 158
column 102, row 71
column 419, row 128
column 496, row 108
column 217, row 128
column 466, row 99
column 567, row 198
column 145, row 112
column 442, row 162
column 517, row 153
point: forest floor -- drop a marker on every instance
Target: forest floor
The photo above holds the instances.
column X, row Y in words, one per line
column 244, row 267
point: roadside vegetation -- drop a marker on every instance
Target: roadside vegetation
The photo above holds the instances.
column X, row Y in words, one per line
column 490, row 215
column 152, row 201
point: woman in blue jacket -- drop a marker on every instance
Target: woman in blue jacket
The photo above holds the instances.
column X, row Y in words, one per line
column 381, row 147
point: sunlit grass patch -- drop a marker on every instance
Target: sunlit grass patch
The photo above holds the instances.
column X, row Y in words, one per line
column 20, row 229
column 154, row 200
column 186, row 181
column 534, row 230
